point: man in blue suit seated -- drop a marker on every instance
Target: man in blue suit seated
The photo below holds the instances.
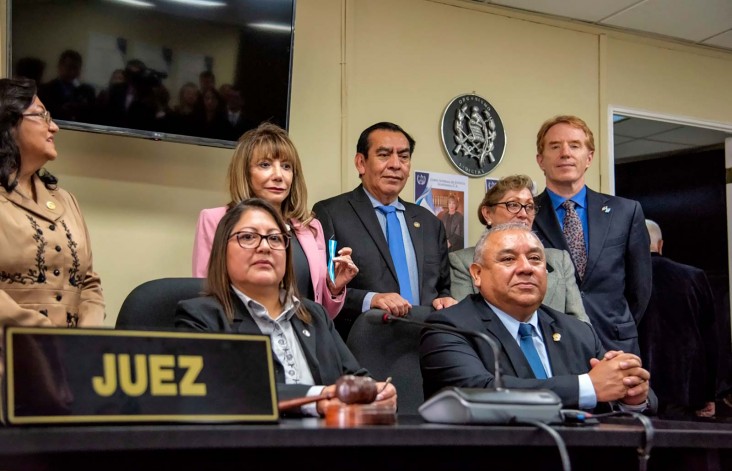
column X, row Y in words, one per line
column 540, row 348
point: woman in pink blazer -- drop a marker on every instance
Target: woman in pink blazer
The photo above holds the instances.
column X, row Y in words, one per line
column 266, row 165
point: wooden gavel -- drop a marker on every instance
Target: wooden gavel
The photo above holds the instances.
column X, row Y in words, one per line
column 349, row 390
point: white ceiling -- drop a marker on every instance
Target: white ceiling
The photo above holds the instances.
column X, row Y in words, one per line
column 637, row 137
column 706, row 22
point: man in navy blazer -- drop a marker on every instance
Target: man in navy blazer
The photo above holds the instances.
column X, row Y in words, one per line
column 383, row 160
column 510, row 273
column 616, row 284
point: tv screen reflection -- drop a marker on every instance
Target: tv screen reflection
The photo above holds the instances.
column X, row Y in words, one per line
column 168, row 70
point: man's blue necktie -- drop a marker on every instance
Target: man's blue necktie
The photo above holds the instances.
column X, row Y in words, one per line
column 527, row 346
column 396, row 248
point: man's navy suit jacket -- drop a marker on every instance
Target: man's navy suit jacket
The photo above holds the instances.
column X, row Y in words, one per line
column 449, row 359
column 617, row 284
column 351, row 220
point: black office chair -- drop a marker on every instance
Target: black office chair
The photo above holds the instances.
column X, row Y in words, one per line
column 392, row 350
column 151, row 306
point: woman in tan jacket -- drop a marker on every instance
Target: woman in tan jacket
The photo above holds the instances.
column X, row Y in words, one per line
column 46, row 275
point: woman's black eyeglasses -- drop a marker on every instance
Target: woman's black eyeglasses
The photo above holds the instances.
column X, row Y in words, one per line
column 252, row 240
column 514, row 207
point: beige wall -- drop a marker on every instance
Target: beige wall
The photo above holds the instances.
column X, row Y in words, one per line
column 360, row 61
column 685, row 82
column 410, row 58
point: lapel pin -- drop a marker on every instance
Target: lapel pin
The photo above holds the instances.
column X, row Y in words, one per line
column 306, row 332
column 556, row 336
column 50, row 205
column 605, row 209
column 417, row 225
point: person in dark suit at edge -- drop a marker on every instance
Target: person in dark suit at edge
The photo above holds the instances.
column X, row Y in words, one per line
column 540, row 348
column 399, row 247
column 681, row 312
column 605, row 235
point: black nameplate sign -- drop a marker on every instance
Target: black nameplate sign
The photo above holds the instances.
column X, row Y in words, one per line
column 58, row 375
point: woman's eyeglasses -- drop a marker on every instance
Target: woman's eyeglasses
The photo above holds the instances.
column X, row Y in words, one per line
column 514, row 207
column 45, row 114
column 252, row 240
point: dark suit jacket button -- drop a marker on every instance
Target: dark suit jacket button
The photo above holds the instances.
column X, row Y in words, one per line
column 59, row 297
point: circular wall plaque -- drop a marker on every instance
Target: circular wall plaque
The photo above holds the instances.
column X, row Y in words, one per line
column 472, row 135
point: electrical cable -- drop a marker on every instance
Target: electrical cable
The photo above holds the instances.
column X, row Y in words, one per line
column 561, row 446
column 644, row 450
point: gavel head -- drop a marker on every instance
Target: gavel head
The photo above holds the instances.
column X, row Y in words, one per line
column 356, row 389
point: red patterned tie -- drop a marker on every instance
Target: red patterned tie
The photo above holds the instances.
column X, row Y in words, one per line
column 575, row 237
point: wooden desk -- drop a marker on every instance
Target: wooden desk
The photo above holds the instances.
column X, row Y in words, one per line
column 305, row 444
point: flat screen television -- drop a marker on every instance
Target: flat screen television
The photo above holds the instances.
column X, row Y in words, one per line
column 197, row 71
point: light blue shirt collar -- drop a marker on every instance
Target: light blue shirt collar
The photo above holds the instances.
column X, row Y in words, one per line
column 580, row 198
column 511, row 324
column 376, row 203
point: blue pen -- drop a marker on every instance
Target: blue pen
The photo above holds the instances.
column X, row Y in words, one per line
column 332, row 244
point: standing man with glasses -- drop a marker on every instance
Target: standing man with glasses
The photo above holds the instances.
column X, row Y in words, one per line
column 399, row 247
column 605, row 235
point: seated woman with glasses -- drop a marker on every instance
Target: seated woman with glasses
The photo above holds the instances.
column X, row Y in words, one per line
column 511, row 200
column 266, row 165
column 251, row 290
column 46, row 273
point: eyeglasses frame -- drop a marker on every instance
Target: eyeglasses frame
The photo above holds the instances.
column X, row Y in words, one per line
column 45, row 114
column 523, row 206
column 261, row 237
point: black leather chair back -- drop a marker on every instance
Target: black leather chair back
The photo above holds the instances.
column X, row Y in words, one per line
column 392, row 350
column 151, row 306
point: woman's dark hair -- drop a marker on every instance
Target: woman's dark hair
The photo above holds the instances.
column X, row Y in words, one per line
column 16, row 96
column 219, row 282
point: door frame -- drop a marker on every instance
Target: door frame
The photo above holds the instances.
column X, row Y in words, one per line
column 686, row 121
column 667, row 118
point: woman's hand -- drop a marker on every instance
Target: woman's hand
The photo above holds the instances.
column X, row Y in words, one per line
column 386, row 397
column 345, row 270
column 324, row 404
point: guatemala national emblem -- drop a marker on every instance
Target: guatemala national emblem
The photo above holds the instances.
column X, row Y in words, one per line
column 472, row 135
